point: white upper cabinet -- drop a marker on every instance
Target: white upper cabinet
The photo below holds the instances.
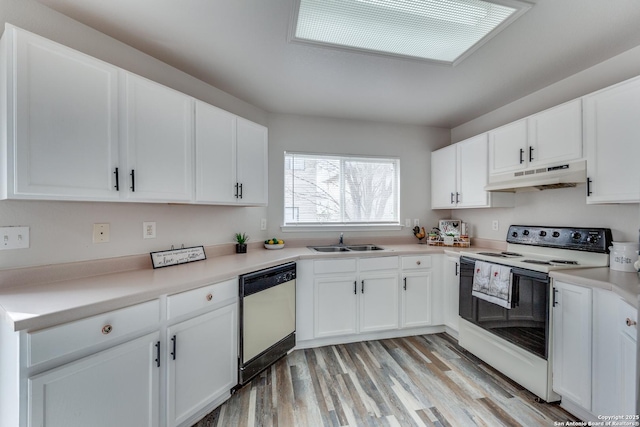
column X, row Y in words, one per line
column 443, row 177
column 215, row 154
column 76, row 128
column 546, row 138
column 159, row 142
column 252, row 162
column 612, row 140
column 64, row 107
column 555, row 135
column 231, row 158
column 507, row 147
column 459, row 174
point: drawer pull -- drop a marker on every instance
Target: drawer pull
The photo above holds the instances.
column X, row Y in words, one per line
column 631, row 322
column 106, row 329
column 209, row 297
column 418, row 262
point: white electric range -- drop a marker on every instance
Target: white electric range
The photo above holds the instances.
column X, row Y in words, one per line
column 517, row 340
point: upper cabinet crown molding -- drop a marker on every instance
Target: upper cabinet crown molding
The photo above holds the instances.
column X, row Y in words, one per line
column 77, row 128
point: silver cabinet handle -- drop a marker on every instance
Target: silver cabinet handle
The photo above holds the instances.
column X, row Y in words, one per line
column 631, row 322
column 106, row 329
column 209, row 297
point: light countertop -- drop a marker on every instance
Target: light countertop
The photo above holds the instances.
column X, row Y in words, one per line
column 46, row 304
column 627, row 285
column 49, row 303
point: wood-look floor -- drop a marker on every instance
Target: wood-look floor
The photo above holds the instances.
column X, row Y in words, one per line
column 415, row 381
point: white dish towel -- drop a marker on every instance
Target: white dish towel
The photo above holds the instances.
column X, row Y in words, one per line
column 493, row 283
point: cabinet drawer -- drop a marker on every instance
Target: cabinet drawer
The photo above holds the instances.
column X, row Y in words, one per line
column 385, row 263
column 65, row 339
column 335, row 266
column 416, row 262
column 626, row 311
column 207, row 296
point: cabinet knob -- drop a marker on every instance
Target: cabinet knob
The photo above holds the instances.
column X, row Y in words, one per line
column 106, row 329
column 418, row 262
column 209, row 297
column 631, row 322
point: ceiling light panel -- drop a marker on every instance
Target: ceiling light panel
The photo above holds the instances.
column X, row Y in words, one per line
column 438, row 30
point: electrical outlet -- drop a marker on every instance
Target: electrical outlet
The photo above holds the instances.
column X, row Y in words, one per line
column 416, row 222
column 495, row 226
column 407, row 222
column 100, row 233
column 14, row 238
column 149, row 230
column 263, row 224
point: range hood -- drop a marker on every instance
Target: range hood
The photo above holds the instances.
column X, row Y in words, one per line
column 540, row 178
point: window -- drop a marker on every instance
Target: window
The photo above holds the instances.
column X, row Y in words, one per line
column 341, row 190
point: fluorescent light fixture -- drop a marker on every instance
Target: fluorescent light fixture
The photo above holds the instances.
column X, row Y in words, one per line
column 444, row 31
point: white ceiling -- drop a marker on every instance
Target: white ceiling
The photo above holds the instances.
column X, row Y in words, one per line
column 242, row 47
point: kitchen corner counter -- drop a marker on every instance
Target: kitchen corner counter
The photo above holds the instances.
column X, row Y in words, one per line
column 30, row 305
column 626, row 285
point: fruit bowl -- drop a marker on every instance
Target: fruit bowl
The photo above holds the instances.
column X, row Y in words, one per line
column 274, row 243
column 272, row 246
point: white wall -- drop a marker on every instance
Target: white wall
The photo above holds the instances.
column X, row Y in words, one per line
column 61, row 231
column 560, row 207
column 412, row 144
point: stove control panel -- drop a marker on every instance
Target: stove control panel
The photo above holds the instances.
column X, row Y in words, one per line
column 580, row 239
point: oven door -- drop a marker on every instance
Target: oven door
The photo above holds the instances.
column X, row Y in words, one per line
column 526, row 325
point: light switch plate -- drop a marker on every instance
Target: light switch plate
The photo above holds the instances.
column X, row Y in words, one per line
column 14, row 238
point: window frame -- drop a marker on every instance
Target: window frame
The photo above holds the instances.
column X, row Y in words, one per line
column 342, row 225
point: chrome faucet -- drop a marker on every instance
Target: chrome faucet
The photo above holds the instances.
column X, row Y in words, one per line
column 341, row 239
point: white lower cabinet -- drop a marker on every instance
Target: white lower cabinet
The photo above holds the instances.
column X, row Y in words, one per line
column 335, row 311
column 451, row 292
column 350, row 300
column 114, row 387
column 201, row 362
column 378, row 301
column 594, row 351
column 140, row 365
column 572, row 343
column 417, row 289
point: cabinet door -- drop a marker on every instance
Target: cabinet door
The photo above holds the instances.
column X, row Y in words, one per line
column 416, row 299
column 378, row 301
column 451, row 291
column 116, row 387
column 612, row 132
column 443, row 178
column 604, row 398
column 507, row 148
column 627, row 377
column 252, row 147
column 215, row 155
column 65, row 112
column 473, row 172
column 335, row 311
column 159, row 140
column 555, row 135
column 572, row 343
column 202, row 362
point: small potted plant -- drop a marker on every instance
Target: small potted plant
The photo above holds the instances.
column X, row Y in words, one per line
column 241, row 243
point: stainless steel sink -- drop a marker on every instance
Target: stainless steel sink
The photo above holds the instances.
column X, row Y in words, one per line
column 365, row 248
column 329, row 248
column 340, row 248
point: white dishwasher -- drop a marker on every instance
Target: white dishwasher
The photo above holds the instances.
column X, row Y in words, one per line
column 267, row 318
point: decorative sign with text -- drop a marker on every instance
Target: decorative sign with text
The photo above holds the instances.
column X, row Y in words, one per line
column 177, row 256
